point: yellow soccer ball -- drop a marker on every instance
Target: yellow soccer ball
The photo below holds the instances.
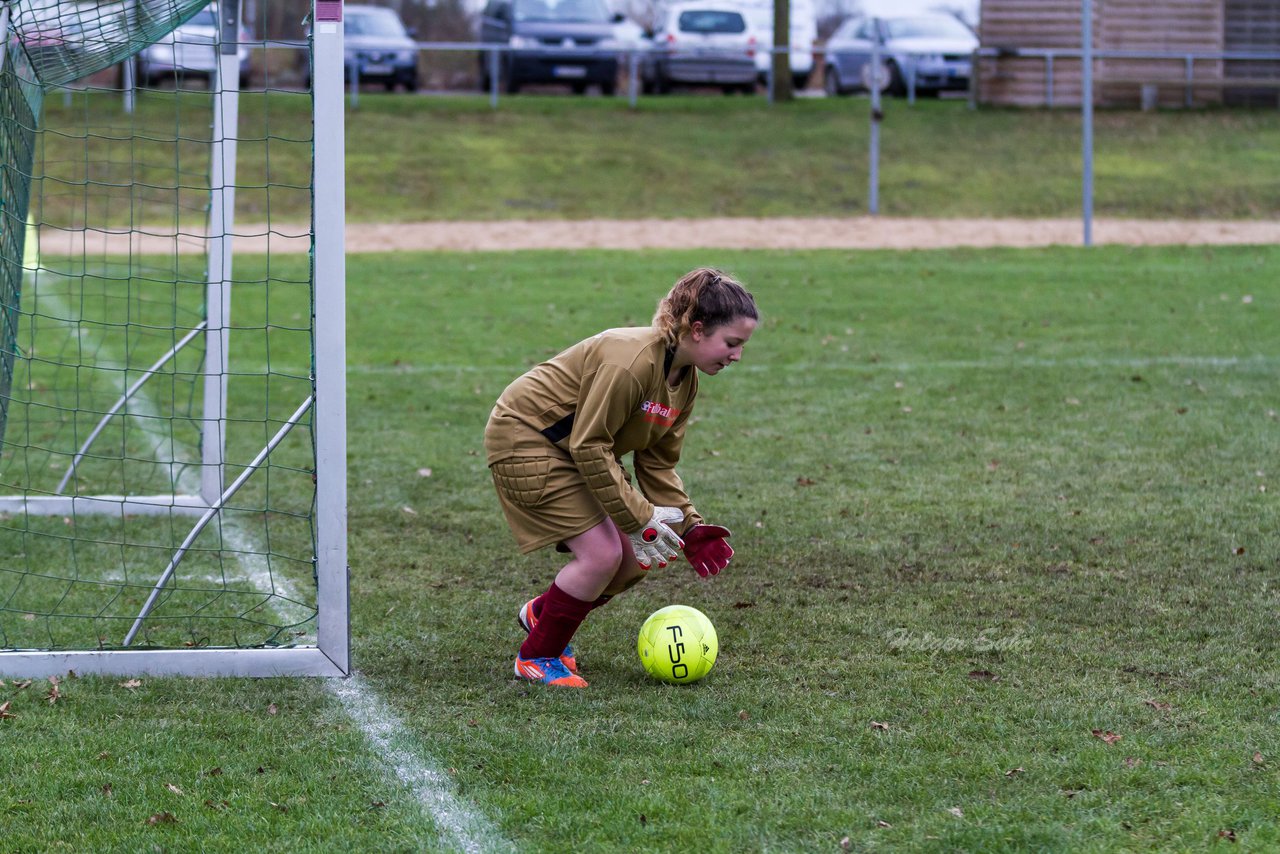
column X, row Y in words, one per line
column 678, row 644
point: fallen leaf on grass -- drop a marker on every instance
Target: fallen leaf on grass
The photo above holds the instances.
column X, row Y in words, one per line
column 131, row 684
column 845, row 844
column 55, row 693
column 742, row 715
column 273, row 709
column 1228, row 834
column 1132, row 762
column 1158, row 706
column 805, row 481
column 882, row 823
column 409, row 510
column 956, row 811
column 424, row 472
column 162, row 818
column 377, row 805
column 879, row 725
column 1013, row 772
column 106, row 789
column 740, row 605
column 281, row 807
column 992, row 465
column 19, row 686
column 4, row 710
column 173, row 788
column 1238, row 550
column 984, row 674
column 1107, row 735
column 1257, row 759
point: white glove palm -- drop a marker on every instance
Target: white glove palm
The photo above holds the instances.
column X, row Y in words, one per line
column 656, row 541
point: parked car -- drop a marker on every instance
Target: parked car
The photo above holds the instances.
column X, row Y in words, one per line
column 804, row 32
column 378, row 48
column 189, row 51
column 938, row 49
column 701, row 44
column 552, row 41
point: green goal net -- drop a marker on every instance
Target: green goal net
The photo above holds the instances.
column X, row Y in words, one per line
column 160, row 495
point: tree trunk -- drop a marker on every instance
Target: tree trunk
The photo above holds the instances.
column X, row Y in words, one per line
column 782, row 88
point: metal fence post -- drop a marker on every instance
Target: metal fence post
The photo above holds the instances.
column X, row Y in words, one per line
column 1048, row 80
column 769, row 76
column 1188, row 98
column 974, row 59
column 1086, row 106
column 633, row 72
column 873, row 189
column 493, row 78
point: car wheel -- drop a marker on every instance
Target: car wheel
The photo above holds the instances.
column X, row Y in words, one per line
column 748, row 88
column 888, row 78
column 662, row 85
column 511, row 84
column 800, row 81
column 831, row 82
column 608, row 89
column 579, row 88
column 897, row 83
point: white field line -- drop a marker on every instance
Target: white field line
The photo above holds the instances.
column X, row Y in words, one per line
column 183, row 480
column 836, row 365
column 463, row 827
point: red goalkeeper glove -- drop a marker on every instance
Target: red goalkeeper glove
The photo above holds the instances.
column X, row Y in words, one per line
column 705, row 548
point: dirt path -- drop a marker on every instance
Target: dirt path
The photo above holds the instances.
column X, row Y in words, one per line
column 796, row 233
column 720, row 233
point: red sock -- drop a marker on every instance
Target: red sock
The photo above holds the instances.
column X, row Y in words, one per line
column 561, row 615
column 535, row 607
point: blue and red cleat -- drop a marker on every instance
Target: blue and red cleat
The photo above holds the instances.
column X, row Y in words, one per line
column 548, row 671
column 528, row 621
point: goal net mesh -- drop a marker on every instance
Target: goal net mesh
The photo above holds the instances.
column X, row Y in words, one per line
column 109, row 231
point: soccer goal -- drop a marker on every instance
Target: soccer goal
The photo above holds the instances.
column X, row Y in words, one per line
column 172, row 344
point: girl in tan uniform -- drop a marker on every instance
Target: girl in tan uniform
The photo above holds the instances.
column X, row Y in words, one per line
column 555, row 441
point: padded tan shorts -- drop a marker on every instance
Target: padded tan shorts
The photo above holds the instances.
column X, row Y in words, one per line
column 546, row 500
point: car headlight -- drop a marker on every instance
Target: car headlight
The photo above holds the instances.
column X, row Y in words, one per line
column 520, row 42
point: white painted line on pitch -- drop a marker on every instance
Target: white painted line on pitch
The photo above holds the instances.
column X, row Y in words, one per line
column 465, row 827
column 1012, row 362
column 182, row 478
column 461, row 824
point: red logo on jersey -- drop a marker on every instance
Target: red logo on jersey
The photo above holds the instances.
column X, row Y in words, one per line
column 656, row 413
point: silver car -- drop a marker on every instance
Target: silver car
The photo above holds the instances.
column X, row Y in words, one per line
column 937, row 50
column 189, row 52
column 702, row 44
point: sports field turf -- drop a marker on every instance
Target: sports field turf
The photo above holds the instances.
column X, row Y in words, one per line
column 1006, row 579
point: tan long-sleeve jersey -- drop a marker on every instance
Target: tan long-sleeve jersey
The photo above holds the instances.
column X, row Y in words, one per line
column 598, row 401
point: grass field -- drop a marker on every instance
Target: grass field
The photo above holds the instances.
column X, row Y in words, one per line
column 441, row 158
column 985, row 504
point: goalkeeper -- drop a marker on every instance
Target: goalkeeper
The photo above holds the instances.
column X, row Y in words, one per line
column 554, row 445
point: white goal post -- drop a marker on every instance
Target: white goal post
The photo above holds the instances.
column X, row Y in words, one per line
column 241, row 571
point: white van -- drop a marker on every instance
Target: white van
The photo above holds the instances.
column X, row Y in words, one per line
column 804, row 32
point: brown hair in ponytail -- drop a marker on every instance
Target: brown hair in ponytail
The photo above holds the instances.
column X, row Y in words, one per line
column 707, row 295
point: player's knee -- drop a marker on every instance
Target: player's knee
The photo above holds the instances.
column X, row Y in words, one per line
column 609, row 557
